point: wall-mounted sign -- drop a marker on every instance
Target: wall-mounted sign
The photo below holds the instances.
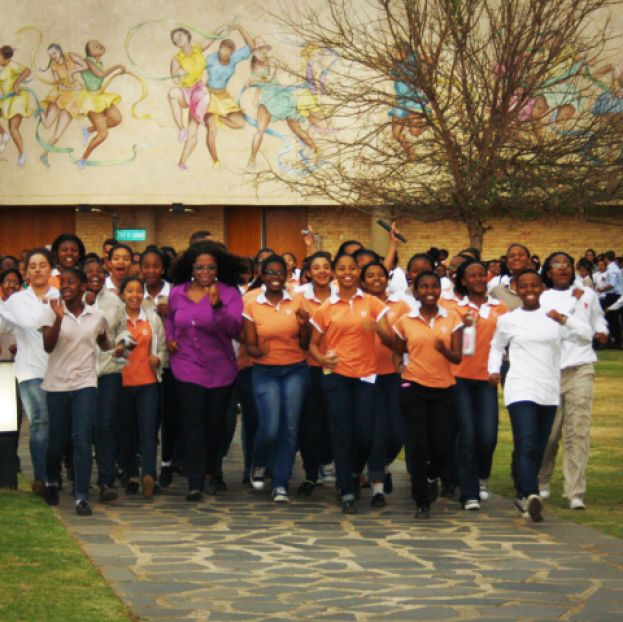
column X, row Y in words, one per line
column 131, row 235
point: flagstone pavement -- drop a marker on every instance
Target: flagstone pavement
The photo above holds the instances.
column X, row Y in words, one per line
column 239, row 556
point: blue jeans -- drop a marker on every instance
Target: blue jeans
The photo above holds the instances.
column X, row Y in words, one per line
column 106, row 426
column 72, row 413
column 36, row 407
column 351, row 404
column 279, row 392
column 477, row 418
column 532, row 424
column 139, row 418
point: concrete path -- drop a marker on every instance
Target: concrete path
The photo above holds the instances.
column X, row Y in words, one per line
column 239, row 556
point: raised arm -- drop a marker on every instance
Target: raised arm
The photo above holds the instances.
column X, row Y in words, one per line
column 245, row 35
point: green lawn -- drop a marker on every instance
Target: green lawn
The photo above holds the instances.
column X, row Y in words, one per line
column 44, row 576
column 604, row 498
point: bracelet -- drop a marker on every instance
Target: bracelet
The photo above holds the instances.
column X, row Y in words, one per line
column 217, row 305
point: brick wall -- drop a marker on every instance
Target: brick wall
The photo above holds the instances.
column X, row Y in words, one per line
column 337, row 224
column 175, row 229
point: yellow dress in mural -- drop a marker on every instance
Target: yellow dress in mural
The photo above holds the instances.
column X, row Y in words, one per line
column 67, row 94
column 91, row 97
column 14, row 104
column 193, row 65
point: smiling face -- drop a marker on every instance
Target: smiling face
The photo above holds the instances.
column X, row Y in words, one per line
column 205, row 270
column 375, row 281
column 320, row 271
column 38, row 270
column 428, row 291
column 68, row 255
column 561, row 271
column 529, row 288
column 475, row 279
column 274, row 277
column 72, row 287
column 120, row 262
column 152, row 269
column 415, row 267
column 11, row 284
column 95, row 276
column 517, row 259
column 180, row 38
column 347, row 272
column 133, row 295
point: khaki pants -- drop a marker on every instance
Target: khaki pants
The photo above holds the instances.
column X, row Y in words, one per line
column 572, row 422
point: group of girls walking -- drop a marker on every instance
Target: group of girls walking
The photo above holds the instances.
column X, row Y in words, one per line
column 342, row 361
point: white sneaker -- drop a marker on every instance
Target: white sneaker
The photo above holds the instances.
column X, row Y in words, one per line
column 577, row 504
column 544, row 491
column 257, row 478
column 522, row 506
column 327, row 474
column 484, row 490
column 535, row 508
column 471, row 504
column 280, row 495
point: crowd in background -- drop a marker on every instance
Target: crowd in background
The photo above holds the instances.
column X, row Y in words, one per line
column 149, row 360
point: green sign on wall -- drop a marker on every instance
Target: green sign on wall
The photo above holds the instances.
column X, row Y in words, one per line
column 131, row 235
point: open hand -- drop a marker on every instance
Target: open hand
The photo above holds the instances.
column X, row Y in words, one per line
column 56, row 304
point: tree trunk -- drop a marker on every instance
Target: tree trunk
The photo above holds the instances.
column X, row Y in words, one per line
column 476, row 231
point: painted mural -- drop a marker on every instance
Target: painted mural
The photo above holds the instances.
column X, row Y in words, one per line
column 157, row 102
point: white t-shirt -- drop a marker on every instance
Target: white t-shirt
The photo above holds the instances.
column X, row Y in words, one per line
column 575, row 350
column 21, row 315
column 534, row 342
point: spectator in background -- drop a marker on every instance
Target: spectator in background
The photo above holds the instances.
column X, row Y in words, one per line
column 200, row 236
column 590, row 255
column 584, row 269
column 612, row 290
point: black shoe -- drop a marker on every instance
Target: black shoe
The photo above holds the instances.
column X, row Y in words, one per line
column 131, row 488
column 306, row 489
column 447, row 491
column 388, row 485
column 349, row 507
column 193, row 495
column 108, row 494
column 221, row 486
column 157, row 489
column 357, row 487
column 423, row 511
column 51, row 495
column 211, row 487
column 166, row 476
column 433, row 490
column 378, row 500
column 83, row 508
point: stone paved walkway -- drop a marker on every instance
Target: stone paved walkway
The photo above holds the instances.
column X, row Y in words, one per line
column 239, row 556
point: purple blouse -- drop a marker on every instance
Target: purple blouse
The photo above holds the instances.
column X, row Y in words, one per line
column 205, row 354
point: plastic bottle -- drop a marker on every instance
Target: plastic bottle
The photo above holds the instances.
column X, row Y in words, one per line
column 469, row 339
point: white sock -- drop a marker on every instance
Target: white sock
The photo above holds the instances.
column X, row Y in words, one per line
column 377, row 487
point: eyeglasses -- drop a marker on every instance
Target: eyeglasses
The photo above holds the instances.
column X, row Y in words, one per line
column 559, row 265
column 211, row 267
column 11, row 284
column 275, row 273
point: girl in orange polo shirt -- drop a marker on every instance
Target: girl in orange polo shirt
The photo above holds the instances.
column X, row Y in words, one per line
column 276, row 331
column 477, row 400
column 139, row 393
column 347, row 323
column 388, row 426
column 314, row 437
column 432, row 337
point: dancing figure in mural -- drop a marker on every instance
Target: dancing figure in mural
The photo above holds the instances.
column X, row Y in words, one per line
column 408, row 115
column 14, row 102
column 221, row 66
column 189, row 92
column 610, row 102
column 277, row 102
column 308, row 98
column 98, row 105
column 62, row 104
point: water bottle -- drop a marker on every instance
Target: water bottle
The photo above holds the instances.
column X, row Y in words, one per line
column 469, row 339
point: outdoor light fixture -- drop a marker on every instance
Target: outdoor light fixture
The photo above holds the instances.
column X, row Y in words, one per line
column 180, row 208
column 83, row 208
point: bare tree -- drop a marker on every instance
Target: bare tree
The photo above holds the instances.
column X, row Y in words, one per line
column 464, row 109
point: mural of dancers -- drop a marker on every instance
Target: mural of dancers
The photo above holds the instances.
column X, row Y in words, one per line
column 98, row 105
column 277, row 102
column 14, row 102
column 221, row 66
column 62, row 104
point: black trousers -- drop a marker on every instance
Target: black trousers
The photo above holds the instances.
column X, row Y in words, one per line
column 613, row 318
column 204, row 426
column 430, row 422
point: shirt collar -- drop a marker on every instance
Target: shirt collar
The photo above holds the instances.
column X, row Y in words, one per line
column 441, row 312
column 142, row 316
column 87, row 310
column 307, row 290
column 465, row 302
column 335, row 296
column 165, row 291
column 264, row 301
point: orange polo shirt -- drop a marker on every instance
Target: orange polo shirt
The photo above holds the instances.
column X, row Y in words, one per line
column 341, row 323
column 384, row 356
column 474, row 367
column 426, row 365
column 138, row 371
column 278, row 327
